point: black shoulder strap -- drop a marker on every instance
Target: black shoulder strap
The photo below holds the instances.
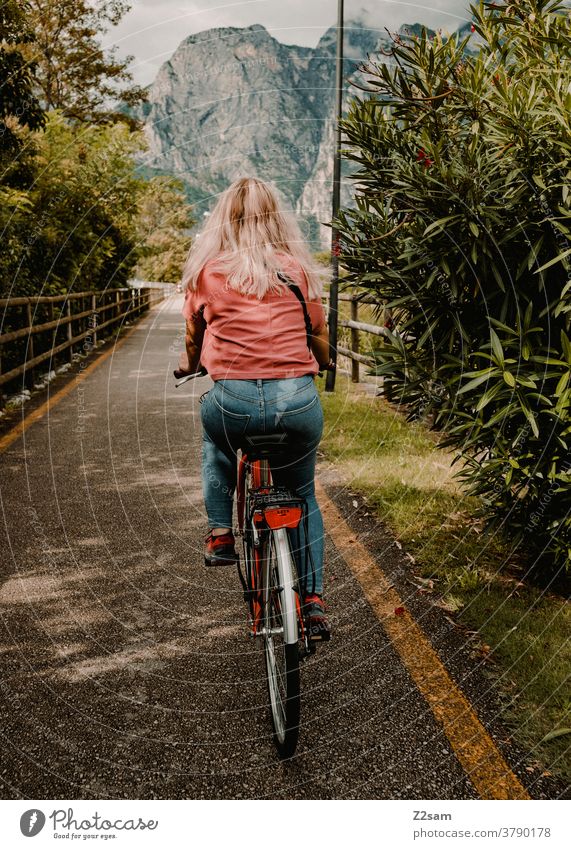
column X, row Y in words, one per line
column 299, row 295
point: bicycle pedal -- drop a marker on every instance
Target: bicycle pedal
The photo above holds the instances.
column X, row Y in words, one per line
column 318, row 634
column 213, row 562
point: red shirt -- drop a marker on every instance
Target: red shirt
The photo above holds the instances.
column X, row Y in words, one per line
column 246, row 338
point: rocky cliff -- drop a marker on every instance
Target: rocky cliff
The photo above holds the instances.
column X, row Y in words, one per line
column 236, row 101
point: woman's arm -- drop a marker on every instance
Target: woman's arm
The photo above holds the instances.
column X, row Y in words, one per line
column 320, row 347
column 190, row 358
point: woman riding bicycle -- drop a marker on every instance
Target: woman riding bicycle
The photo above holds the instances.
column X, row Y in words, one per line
column 249, row 330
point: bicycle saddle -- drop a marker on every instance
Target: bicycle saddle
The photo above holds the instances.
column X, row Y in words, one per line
column 265, row 445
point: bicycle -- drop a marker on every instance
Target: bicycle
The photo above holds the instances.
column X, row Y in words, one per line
column 271, row 584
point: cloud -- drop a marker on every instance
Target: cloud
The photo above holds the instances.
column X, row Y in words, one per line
column 152, row 31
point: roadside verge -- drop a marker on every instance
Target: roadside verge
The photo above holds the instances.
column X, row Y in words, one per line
column 515, row 634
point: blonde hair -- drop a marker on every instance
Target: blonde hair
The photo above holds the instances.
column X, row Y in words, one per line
column 242, row 235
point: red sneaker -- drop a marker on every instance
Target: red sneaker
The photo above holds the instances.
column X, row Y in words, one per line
column 219, row 550
column 317, row 624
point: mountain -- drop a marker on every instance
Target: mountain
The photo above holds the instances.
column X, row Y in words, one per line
column 235, row 101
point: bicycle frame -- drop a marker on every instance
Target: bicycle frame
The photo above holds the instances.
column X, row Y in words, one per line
column 269, row 509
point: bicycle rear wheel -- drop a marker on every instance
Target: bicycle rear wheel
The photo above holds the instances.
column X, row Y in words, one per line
column 280, row 630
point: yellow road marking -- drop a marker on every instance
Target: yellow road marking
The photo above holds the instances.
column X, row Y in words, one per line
column 39, row 412
column 476, row 751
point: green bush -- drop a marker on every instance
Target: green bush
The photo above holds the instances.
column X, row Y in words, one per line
column 71, row 226
column 463, row 226
column 163, row 225
column 84, row 218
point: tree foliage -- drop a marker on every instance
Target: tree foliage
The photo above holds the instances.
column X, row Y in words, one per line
column 163, row 224
column 74, row 211
column 463, row 226
column 87, row 217
column 18, row 105
column 74, row 73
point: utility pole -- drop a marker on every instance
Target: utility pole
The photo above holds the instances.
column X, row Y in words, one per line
column 334, row 287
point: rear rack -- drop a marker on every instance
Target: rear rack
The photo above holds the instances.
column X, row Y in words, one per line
column 262, row 498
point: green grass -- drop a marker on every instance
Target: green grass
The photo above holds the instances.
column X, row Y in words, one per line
column 522, row 631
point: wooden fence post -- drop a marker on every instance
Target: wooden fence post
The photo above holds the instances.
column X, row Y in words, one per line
column 53, row 333
column 94, row 318
column 354, row 340
column 69, row 332
column 29, row 373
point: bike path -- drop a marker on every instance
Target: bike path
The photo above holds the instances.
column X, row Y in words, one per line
column 126, row 669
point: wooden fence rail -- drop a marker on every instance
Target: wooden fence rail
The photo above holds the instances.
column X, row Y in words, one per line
column 357, row 327
column 39, row 329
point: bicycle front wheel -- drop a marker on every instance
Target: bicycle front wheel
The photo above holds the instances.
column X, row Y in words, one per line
column 280, row 630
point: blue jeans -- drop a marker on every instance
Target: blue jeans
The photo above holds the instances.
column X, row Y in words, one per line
column 235, row 408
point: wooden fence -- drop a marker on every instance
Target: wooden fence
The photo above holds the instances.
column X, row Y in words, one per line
column 41, row 329
column 357, row 327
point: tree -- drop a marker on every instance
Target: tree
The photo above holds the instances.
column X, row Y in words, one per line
column 163, row 225
column 18, row 105
column 80, row 213
column 20, row 112
column 463, row 227
column 74, row 74
column 89, row 218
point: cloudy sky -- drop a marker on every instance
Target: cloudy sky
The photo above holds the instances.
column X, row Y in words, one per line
column 154, row 28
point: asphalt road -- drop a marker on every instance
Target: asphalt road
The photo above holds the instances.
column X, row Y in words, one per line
column 127, row 671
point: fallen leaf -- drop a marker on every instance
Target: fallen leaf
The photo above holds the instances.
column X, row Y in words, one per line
column 425, row 582
column 399, row 611
column 452, row 605
column 557, row 732
column 452, row 622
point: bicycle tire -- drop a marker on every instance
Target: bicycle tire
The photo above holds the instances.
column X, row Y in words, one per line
column 281, row 656
column 250, row 476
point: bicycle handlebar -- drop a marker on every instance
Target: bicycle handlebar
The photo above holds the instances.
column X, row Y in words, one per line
column 183, row 377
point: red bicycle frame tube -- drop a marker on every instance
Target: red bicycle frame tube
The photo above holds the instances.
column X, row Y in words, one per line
column 241, row 492
column 256, row 467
